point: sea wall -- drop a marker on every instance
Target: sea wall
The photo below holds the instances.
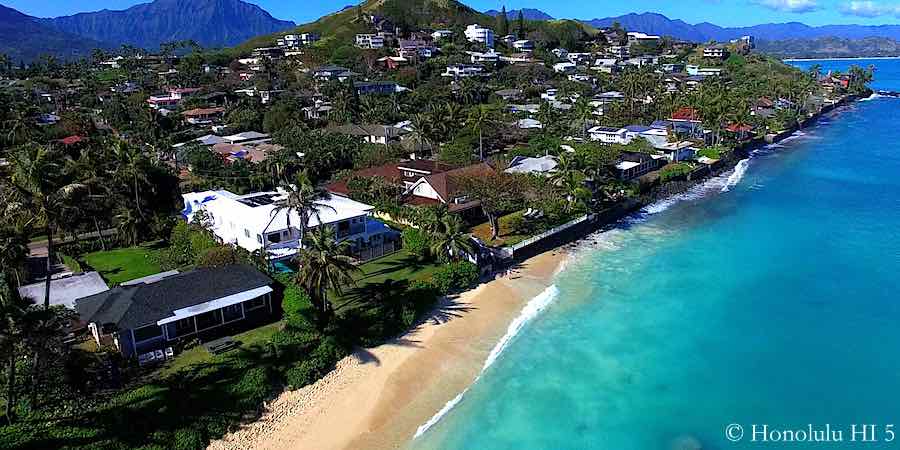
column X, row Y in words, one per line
column 608, row 217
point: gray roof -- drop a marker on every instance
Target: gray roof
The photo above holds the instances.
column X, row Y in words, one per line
column 64, row 291
column 133, row 306
column 370, row 130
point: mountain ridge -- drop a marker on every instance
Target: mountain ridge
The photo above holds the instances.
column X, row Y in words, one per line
column 655, row 23
column 24, row 38
column 211, row 23
column 527, row 13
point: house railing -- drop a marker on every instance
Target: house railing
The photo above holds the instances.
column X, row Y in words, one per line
column 377, row 251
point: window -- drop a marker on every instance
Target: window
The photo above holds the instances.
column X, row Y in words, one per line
column 274, row 238
column 184, row 326
column 246, row 232
column 146, row 333
column 232, row 312
column 259, row 238
column 209, row 319
column 256, row 303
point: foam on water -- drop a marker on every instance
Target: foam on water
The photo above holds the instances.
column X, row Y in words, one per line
column 531, row 310
column 736, row 175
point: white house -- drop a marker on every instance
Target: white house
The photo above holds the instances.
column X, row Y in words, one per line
column 609, row 135
column 253, row 221
column 489, row 56
column 480, row 34
column 560, row 53
column 636, row 37
column 463, row 71
column 369, row 41
column 297, row 40
column 523, row 45
column 564, row 67
column 441, row 34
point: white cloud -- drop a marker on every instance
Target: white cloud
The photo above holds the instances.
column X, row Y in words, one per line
column 793, row 6
column 868, row 9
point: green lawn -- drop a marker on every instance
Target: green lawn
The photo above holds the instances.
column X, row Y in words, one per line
column 507, row 236
column 198, row 355
column 121, row 265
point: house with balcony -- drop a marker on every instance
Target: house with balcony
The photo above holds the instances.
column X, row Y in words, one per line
column 523, row 45
column 609, row 135
column 370, row 41
column 717, row 51
column 463, row 71
column 372, row 133
column 172, row 98
column 203, row 116
column 254, row 222
column 480, row 34
column 156, row 312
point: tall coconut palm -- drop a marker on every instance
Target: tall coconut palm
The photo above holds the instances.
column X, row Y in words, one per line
column 131, row 170
column 37, row 179
column 481, row 118
column 303, row 198
column 325, row 265
column 584, row 113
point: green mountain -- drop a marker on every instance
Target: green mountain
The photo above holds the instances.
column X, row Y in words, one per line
column 831, row 47
column 339, row 28
column 23, row 38
column 211, row 23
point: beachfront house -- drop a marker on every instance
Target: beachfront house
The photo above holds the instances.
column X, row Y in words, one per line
column 634, row 164
column 254, row 221
column 155, row 312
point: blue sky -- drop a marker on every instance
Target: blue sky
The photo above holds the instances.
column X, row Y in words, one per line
column 720, row 12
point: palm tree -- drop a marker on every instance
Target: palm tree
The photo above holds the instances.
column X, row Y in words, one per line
column 452, row 242
column 37, row 179
column 583, row 112
column 302, row 198
column 481, row 117
column 132, row 169
column 325, row 264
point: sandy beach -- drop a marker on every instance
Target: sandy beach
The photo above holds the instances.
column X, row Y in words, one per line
column 378, row 397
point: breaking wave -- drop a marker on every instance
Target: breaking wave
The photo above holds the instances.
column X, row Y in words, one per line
column 531, row 310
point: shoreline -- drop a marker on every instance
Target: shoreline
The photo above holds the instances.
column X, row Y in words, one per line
column 847, row 58
column 378, row 398
column 383, row 397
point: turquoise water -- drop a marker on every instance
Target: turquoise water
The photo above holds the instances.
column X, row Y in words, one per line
column 771, row 303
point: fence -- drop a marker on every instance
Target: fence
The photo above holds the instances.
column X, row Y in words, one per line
column 370, row 253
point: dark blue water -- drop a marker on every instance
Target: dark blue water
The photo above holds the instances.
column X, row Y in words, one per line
column 772, row 303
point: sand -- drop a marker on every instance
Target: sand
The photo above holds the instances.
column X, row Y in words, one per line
column 378, row 397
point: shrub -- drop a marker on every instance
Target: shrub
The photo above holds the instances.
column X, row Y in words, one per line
column 455, row 276
column 252, row 388
column 319, row 363
column 188, row 439
column 416, row 242
column 295, row 302
column 673, row 171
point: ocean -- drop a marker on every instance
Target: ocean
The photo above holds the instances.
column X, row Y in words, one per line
column 757, row 309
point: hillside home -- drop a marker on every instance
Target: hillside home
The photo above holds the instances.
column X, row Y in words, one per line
column 203, row 116
column 564, row 67
column 523, row 45
column 298, row 40
column 377, row 87
column 171, row 98
column 369, row 41
column 153, row 313
column 717, row 51
column 331, row 72
column 479, row 34
column 438, row 35
column 489, row 56
column 463, row 71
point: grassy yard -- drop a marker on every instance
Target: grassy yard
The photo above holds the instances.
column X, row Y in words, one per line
column 198, row 355
column 121, row 265
column 507, row 235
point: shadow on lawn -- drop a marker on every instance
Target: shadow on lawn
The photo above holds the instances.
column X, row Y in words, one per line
column 409, row 262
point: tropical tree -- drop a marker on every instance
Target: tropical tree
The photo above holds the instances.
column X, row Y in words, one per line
column 38, row 181
column 451, row 242
column 325, row 265
column 302, row 198
column 131, row 170
column 481, row 118
column 497, row 192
